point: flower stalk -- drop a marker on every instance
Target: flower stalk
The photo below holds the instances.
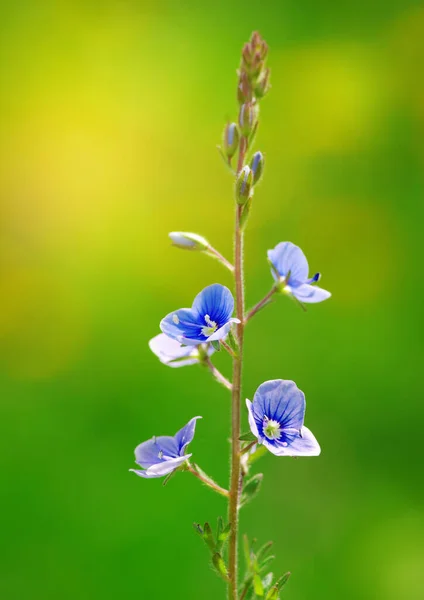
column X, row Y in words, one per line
column 266, row 300
column 197, row 472
column 217, row 374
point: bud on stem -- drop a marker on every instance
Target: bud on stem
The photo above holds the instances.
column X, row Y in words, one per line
column 244, row 185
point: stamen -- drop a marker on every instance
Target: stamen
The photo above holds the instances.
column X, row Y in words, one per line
column 271, row 428
column 211, row 327
column 175, row 319
column 160, row 455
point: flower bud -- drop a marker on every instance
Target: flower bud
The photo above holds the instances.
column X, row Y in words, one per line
column 188, row 241
column 230, row 140
column 262, row 85
column 244, row 89
column 244, row 185
column 257, row 166
column 247, row 117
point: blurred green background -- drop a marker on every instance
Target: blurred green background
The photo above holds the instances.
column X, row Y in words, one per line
column 110, row 114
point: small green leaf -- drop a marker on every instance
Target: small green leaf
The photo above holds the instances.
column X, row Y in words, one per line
column 272, row 593
column 257, row 454
column 216, row 345
column 282, row 580
column 220, row 566
column 257, row 585
column 208, row 537
column 223, row 536
column 246, row 550
column 251, row 489
column 264, row 564
column 247, row 437
column 232, row 342
column 264, row 549
column 245, row 214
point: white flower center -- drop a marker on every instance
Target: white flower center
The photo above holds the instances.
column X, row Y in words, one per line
column 210, row 326
column 272, row 429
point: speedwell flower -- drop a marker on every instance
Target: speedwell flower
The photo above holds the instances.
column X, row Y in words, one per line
column 208, row 320
column 276, row 418
column 172, row 353
column 290, row 271
column 162, row 455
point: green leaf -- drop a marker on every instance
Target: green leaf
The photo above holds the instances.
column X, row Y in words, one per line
column 223, row 536
column 247, row 437
column 272, row 593
column 208, row 537
column 264, row 564
column 220, row 566
column 246, row 550
column 216, row 345
column 245, row 214
column 251, row 489
column 257, row 585
column 282, row 580
column 232, row 342
column 263, row 550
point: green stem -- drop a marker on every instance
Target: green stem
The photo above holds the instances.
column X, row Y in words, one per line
column 235, row 412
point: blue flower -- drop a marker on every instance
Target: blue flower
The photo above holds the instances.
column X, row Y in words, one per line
column 171, row 353
column 208, row 320
column 276, row 418
column 162, row 455
column 290, row 270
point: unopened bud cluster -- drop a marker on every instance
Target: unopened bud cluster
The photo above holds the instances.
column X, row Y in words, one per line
column 253, row 74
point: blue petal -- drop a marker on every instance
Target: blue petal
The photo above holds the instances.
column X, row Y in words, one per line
column 185, row 435
column 150, row 453
column 310, row 293
column 222, row 332
column 288, row 258
column 280, row 400
column 302, row 445
column 168, row 349
column 162, row 469
column 216, row 301
column 184, row 326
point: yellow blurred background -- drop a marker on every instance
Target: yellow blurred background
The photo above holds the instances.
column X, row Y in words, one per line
column 110, row 114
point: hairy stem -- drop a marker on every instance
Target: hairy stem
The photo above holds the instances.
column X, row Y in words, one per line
column 260, row 305
column 207, row 480
column 217, row 374
column 235, row 413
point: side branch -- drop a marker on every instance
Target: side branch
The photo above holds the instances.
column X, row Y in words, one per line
column 260, row 305
column 217, row 374
column 197, row 472
column 215, row 254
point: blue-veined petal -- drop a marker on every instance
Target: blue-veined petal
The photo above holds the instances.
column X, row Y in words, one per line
column 185, row 435
column 282, row 401
column 161, row 469
column 310, row 293
column 288, row 258
column 184, row 326
column 217, row 301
